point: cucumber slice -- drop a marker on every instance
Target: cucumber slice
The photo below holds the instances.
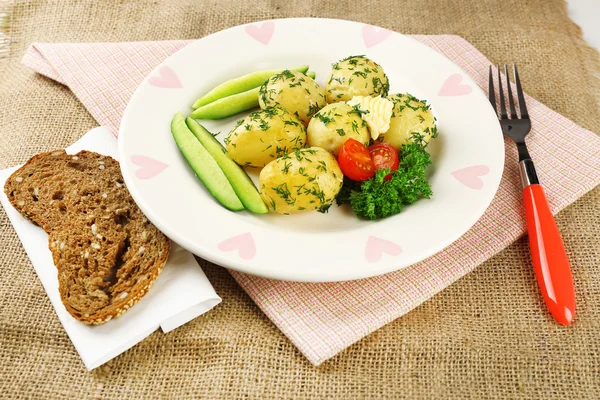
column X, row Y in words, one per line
column 239, row 179
column 204, row 165
column 231, row 105
column 241, row 84
column 228, row 106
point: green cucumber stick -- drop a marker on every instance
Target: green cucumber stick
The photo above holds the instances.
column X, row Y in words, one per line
column 241, row 84
column 231, row 105
column 204, row 165
column 239, row 179
column 228, row 106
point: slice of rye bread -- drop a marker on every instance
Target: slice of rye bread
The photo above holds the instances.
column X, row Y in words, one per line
column 49, row 185
column 107, row 253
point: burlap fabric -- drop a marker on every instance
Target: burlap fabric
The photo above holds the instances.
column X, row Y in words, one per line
column 487, row 336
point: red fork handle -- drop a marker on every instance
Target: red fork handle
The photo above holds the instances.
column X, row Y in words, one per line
column 550, row 260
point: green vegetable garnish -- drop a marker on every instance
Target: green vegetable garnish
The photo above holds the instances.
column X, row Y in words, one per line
column 377, row 198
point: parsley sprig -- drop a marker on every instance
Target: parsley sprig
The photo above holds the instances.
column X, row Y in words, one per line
column 377, row 198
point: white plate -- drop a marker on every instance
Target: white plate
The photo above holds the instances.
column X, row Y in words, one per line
column 468, row 155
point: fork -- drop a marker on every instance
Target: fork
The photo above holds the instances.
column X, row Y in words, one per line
column 548, row 254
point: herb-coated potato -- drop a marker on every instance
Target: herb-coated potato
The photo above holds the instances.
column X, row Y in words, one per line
column 295, row 92
column 307, row 179
column 411, row 119
column 265, row 135
column 356, row 76
column 334, row 124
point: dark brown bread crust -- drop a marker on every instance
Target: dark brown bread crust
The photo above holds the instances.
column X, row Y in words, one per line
column 107, row 253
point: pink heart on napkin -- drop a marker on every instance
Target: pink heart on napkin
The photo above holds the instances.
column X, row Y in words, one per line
column 263, row 34
column 149, row 166
column 469, row 176
column 243, row 243
column 373, row 36
column 376, row 247
column 453, row 87
column 166, row 78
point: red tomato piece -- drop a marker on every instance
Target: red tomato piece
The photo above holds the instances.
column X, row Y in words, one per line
column 384, row 156
column 355, row 161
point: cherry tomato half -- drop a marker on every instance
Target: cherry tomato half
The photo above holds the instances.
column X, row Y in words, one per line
column 384, row 156
column 355, row 161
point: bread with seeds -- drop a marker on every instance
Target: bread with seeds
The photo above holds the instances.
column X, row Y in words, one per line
column 107, row 253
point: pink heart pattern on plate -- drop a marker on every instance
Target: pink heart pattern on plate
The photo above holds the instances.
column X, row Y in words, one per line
column 149, row 167
column 470, row 176
column 453, row 87
column 373, row 36
column 376, row 247
column 263, row 34
column 166, row 78
column 244, row 244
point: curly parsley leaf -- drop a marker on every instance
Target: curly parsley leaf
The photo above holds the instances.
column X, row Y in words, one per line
column 377, row 198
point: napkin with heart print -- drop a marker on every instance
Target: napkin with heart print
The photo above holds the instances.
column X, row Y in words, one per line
column 322, row 319
column 181, row 293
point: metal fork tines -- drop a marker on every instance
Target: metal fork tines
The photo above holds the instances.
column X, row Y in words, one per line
column 513, row 126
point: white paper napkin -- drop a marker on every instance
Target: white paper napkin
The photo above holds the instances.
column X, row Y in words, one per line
column 181, row 293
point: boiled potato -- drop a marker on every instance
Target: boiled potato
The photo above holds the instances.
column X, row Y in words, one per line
column 411, row 120
column 356, row 76
column 307, row 179
column 265, row 135
column 295, row 92
column 334, row 124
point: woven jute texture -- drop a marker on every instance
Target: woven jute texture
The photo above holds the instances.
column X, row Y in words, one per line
column 487, row 336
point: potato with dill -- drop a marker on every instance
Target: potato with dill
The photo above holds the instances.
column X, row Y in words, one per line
column 295, row 92
column 304, row 180
column 356, row 76
column 334, row 124
column 411, row 119
column 265, row 135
